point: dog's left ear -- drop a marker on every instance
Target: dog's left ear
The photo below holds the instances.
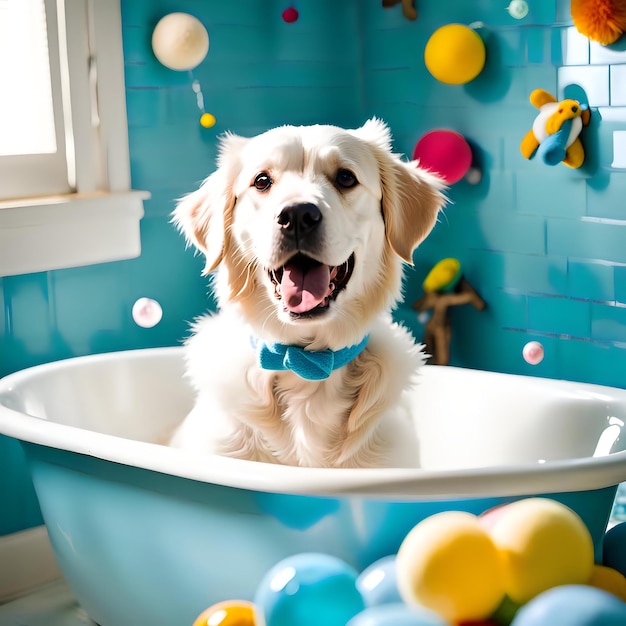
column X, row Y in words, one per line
column 411, row 197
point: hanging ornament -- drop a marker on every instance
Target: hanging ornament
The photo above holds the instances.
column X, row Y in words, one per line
column 290, row 15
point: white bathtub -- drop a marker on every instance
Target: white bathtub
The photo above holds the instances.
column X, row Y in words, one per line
column 146, row 534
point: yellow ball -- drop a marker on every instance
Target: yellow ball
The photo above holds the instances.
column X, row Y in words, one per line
column 207, row 120
column 610, row 580
column 542, row 544
column 449, row 564
column 455, row 54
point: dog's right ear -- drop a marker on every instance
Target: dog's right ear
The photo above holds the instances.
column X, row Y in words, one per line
column 204, row 216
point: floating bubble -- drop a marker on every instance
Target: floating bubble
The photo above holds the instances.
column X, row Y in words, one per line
column 533, row 353
column 147, row 312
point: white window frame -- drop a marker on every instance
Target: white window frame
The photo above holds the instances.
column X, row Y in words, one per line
column 97, row 219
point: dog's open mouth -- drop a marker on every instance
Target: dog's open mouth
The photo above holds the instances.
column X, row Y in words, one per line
column 306, row 286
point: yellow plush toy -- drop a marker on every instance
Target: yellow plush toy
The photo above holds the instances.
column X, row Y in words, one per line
column 554, row 136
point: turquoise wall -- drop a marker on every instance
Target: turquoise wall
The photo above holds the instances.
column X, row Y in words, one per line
column 543, row 245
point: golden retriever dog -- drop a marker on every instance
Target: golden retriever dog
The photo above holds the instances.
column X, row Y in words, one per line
column 308, row 229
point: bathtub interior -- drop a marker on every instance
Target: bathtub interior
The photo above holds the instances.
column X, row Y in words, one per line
column 463, row 418
column 139, row 395
column 470, row 418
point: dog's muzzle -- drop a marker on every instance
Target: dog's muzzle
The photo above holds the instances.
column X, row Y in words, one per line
column 305, row 285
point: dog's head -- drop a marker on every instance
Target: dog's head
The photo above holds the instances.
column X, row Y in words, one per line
column 309, row 227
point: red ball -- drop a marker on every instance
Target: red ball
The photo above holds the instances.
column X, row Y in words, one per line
column 444, row 152
column 290, row 15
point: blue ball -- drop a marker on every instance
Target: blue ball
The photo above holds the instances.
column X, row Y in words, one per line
column 614, row 548
column 378, row 583
column 397, row 615
column 572, row 605
column 309, row 589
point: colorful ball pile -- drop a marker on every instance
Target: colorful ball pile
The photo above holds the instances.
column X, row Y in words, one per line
column 528, row 563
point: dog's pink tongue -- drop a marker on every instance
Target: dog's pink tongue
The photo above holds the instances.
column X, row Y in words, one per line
column 303, row 290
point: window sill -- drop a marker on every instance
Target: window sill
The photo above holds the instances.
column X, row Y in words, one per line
column 40, row 234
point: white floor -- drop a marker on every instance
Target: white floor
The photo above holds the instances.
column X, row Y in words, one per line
column 51, row 605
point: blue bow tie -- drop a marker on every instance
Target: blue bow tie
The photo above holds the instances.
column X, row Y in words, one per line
column 308, row 364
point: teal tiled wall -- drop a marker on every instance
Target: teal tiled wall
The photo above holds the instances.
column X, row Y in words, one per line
column 545, row 246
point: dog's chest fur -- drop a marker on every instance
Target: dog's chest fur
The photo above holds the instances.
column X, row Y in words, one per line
column 245, row 412
column 301, row 422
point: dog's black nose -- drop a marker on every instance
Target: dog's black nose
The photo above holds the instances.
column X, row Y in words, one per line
column 299, row 220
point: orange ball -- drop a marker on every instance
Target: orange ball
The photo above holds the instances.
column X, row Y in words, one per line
column 229, row 613
column 610, row 580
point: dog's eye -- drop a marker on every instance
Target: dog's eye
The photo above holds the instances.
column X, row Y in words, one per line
column 345, row 179
column 263, row 181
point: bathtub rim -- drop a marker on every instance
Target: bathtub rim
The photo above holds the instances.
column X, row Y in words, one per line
column 568, row 475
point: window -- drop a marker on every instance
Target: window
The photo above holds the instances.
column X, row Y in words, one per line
column 65, row 196
column 31, row 140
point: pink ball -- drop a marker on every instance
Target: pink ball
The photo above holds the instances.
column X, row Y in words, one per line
column 290, row 15
column 444, row 152
column 147, row 312
column 533, row 353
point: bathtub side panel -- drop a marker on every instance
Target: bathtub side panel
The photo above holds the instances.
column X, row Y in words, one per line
column 123, row 534
column 137, row 546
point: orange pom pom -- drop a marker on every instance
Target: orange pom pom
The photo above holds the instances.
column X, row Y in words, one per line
column 603, row 21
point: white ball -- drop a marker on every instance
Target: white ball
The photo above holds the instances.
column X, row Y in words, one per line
column 473, row 176
column 180, row 41
column 518, row 9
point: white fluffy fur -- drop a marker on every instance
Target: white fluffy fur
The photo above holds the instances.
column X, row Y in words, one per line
column 356, row 417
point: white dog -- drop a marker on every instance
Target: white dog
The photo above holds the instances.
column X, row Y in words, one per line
column 308, row 228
